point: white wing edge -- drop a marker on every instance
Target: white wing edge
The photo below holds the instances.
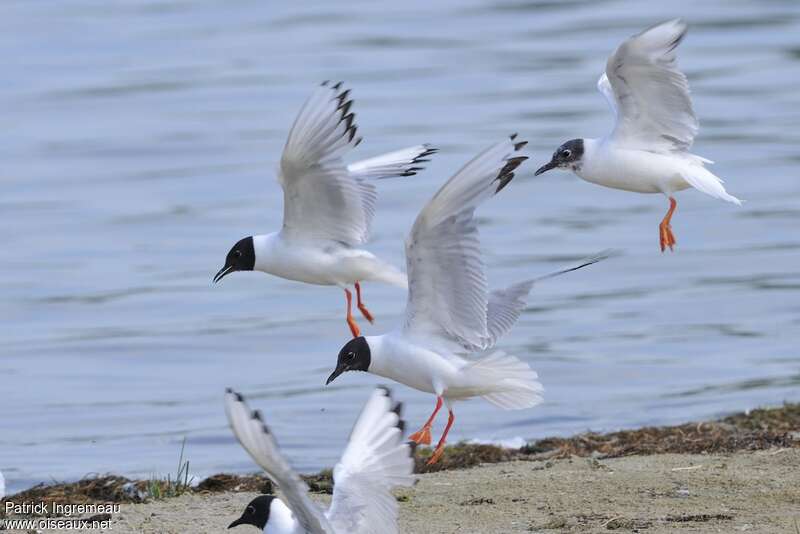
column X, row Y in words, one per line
column 375, row 460
column 403, row 162
column 324, row 129
column 321, row 199
column 604, row 86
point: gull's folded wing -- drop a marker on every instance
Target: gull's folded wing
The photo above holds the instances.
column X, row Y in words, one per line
column 376, row 460
column 255, row 437
column 447, row 293
column 648, row 93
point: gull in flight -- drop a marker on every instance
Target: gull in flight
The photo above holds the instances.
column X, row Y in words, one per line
column 375, row 460
column 648, row 149
column 327, row 205
column 450, row 312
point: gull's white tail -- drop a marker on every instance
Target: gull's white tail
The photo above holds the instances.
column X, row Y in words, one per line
column 389, row 274
column 704, row 180
column 509, row 382
column 403, row 162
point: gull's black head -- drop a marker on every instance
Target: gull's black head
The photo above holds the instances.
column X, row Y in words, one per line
column 256, row 513
column 241, row 257
column 354, row 356
column 567, row 156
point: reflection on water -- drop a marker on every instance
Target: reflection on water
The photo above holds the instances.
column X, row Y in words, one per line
column 141, row 140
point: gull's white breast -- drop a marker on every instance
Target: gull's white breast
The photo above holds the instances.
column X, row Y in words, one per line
column 396, row 357
column 281, row 520
column 431, row 368
column 635, row 170
column 313, row 261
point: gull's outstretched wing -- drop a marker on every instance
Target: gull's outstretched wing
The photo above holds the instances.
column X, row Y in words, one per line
column 321, row 200
column 376, row 460
column 447, row 293
column 647, row 92
column 506, row 305
column 253, row 434
column 403, row 162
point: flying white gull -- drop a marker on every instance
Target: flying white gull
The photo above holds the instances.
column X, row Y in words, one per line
column 375, row 460
column 449, row 312
column 327, row 205
column 648, row 149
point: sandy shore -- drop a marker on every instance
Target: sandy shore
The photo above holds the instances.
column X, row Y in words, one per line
column 741, row 492
column 737, row 474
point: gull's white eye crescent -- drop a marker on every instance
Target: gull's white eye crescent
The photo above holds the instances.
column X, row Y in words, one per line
column 251, row 509
column 566, row 152
column 237, row 253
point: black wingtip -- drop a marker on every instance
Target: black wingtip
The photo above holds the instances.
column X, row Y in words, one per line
column 586, row 262
column 600, row 256
column 228, row 390
column 429, row 151
column 343, row 96
column 256, row 415
column 348, row 120
column 345, row 107
column 506, row 174
column 346, row 116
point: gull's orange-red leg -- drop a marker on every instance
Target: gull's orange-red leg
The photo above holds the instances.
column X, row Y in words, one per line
column 350, row 321
column 423, row 435
column 364, row 311
column 437, row 452
column 665, row 228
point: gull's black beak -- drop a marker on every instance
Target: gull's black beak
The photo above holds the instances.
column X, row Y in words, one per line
column 546, row 167
column 339, row 370
column 223, row 273
column 238, row 522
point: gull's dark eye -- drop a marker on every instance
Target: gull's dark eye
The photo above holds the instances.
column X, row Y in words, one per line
column 251, row 510
column 566, row 153
column 351, row 355
column 237, row 253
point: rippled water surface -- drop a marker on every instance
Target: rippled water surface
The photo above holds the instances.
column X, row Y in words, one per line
column 140, row 141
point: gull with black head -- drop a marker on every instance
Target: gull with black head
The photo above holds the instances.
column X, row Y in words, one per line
column 375, row 460
column 648, row 149
column 328, row 206
column 450, row 312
